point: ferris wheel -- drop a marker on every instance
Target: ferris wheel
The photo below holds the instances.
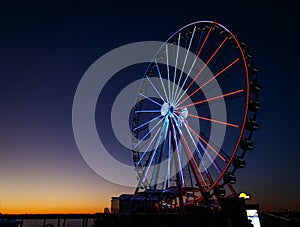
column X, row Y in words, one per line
column 195, row 114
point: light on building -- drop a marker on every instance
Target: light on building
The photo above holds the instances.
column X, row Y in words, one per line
column 243, row 195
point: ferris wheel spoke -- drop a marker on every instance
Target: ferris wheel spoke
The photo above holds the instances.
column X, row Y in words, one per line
column 190, row 155
column 184, row 62
column 199, row 40
column 206, row 143
column 204, row 41
column 148, row 122
column 210, row 46
column 201, row 157
column 226, row 51
column 192, row 66
column 197, row 56
column 168, row 174
column 176, row 62
column 195, row 144
column 153, row 153
column 176, row 118
column 177, row 150
column 147, row 111
column 148, row 147
column 205, row 65
column 150, row 99
column 193, row 162
column 159, row 154
column 199, row 154
column 206, row 83
column 231, row 73
column 162, row 84
column 192, row 138
column 220, row 81
column 227, row 99
column 215, row 164
column 148, row 133
column 213, row 120
column 221, row 151
column 168, row 169
column 180, row 157
column 168, row 72
column 213, row 98
column 155, row 89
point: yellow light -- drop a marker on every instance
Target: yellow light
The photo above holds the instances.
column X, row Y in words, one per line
column 243, row 195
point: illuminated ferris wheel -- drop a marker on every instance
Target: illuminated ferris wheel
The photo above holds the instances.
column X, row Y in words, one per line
column 195, row 114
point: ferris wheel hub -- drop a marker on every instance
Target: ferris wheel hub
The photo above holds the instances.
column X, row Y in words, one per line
column 169, row 109
column 164, row 109
column 183, row 112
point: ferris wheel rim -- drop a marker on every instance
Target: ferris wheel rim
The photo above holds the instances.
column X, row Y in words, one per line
column 247, row 91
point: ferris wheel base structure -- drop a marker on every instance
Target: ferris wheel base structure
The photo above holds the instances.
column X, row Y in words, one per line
column 146, row 210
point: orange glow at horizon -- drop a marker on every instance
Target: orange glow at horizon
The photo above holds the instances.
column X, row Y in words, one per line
column 53, row 204
column 57, row 185
column 80, row 200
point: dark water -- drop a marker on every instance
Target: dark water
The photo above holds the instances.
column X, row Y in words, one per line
column 54, row 222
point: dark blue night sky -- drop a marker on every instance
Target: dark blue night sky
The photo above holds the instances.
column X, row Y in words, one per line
column 45, row 50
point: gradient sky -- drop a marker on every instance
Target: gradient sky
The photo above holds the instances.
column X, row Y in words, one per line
column 46, row 48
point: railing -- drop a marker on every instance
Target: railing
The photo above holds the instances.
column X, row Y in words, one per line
column 61, row 218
